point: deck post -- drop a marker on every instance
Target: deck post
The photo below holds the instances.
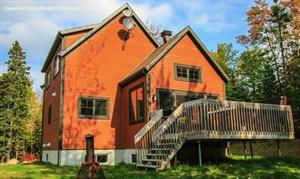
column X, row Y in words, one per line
column 251, row 149
column 245, row 150
column 278, row 147
column 200, row 153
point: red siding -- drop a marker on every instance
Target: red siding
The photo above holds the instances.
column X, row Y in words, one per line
column 185, row 52
column 94, row 69
column 131, row 129
column 50, row 131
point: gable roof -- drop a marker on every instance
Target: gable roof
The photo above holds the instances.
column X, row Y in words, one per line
column 103, row 23
column 153, row 58
column 93, row 29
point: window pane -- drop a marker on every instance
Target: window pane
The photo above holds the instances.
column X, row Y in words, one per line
column 89, row 111
column 83, row 103
column 90, row 103
column 181, row 72
column 100, row 108
column 133, row 106
column 83, row 111
column 194, row 74
column 102, row 158
column 136, row 104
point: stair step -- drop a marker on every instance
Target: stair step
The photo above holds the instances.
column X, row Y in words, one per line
column 151, row 160
column 147, row 166
column 158, row 149
column 151, row 154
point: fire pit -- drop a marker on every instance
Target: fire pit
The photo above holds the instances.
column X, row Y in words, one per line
column 90, row 169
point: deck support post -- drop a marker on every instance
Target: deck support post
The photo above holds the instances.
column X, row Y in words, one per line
column 278, row 147
column 200, row 153
column 251, row 149
column 245, row 150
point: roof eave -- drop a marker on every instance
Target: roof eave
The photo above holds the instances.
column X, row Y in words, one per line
column 136, row 75
column 52, row 50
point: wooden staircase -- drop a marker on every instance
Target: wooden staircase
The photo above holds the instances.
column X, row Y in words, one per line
column 160, row 139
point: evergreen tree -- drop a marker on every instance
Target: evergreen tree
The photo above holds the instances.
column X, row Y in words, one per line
column 14, row 102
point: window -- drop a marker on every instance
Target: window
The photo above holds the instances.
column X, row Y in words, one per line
column 56, row 65
column 49, row 114
column 136, row 104
column 90, row 107
column 187, row 73
column 101, row 158
column 133, row 158
column 47, row 156
column 48, row 78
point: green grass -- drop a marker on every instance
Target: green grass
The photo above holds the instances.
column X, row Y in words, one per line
column 235, row 167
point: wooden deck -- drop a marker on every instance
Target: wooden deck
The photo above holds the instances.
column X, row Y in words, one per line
column 211, row 119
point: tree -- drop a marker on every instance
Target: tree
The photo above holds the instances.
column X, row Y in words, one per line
column 276, row 29
column 227, row 57
column 14, row 102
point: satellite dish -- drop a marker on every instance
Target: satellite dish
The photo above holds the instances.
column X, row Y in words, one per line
column 128, row 23
column 127, row 13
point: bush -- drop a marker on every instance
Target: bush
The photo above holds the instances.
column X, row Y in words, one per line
column 28, row 157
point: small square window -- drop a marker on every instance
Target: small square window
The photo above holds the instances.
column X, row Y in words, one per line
column 133, row 158
column 102, row 158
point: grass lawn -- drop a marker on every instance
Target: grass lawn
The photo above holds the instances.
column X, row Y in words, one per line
column 236, row 167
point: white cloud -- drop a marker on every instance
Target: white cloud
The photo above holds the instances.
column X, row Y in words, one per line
column 35, row 23
column 210, row 16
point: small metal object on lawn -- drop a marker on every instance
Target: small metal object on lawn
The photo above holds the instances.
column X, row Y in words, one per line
column 90, row 169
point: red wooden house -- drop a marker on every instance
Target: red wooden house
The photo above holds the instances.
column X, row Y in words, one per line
column 108, row 81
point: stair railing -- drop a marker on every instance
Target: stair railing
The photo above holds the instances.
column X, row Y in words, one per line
column 142, row 139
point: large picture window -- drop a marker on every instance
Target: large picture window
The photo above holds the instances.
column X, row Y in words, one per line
column 187, row 73
column 93, row 107
column 136, row 104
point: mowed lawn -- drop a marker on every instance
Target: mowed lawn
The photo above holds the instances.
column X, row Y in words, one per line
column 235, row 167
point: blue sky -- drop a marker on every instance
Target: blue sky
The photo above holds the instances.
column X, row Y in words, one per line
column 35, row 23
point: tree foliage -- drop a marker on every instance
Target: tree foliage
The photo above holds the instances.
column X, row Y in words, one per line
column 269, row 66
column 15, row 108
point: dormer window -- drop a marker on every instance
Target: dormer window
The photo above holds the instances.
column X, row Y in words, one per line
column 56, row 64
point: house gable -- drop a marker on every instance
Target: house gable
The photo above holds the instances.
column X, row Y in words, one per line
column 152, row 59
column 104, row 23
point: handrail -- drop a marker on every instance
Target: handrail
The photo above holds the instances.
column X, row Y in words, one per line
column 211, row 119
column 157, row 116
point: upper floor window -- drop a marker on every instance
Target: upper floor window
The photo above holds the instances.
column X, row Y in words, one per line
column 136, row 104
column 56, row 65
column 93, row 107
column 48, row 77
column 187, row 73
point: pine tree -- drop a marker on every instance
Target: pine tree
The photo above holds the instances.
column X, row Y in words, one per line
column 14, row 102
